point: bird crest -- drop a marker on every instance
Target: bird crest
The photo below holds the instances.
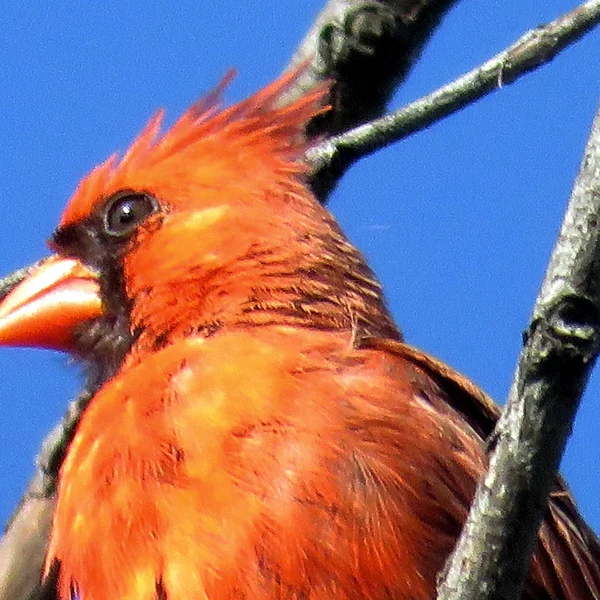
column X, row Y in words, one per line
column 258, row 137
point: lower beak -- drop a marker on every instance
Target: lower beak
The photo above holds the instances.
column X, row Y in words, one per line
column 45, row 307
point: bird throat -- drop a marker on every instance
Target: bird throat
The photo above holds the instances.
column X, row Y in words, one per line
column 312, row 280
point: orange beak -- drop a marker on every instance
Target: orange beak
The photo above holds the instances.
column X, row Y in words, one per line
column 44, row 309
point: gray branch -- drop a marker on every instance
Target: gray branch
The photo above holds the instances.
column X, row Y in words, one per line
column 366, row 48
column 335, row 155
column 491, row 559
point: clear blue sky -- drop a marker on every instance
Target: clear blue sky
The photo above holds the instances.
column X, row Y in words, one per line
column 458, row 220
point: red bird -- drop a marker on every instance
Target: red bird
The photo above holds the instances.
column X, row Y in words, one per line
column 258, row 429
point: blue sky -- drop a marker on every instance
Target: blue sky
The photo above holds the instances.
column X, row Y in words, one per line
column 458, row 221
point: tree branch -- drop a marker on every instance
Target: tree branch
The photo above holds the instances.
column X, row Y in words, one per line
column 10, row 281
column 332, row 158
column 366, row 48
column 23, row 547
column 560, row 349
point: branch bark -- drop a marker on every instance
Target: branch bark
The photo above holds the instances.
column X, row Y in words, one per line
column 366, row 48
column 333, row 157
column 491, row 559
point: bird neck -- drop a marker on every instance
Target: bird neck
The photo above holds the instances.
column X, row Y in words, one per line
column 310, row 277
column 222, row 269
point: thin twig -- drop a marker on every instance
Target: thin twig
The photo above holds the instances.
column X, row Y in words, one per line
column 537, row 47
column 491, row 558
column 9, row 282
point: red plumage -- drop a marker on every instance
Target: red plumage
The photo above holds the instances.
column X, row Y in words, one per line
column 258, row 429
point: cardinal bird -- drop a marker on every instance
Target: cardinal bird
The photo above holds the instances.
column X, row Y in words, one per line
column 258, row 429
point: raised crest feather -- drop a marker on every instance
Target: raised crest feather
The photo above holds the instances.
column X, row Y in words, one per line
column 259, row 131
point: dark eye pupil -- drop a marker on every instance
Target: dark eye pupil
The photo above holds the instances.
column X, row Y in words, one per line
column 127, row 212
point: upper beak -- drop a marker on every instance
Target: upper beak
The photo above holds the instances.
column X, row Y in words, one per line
column 46, row 305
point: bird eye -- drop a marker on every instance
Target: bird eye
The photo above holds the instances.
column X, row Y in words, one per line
column 126, row 212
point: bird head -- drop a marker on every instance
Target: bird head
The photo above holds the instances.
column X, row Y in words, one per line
column 209, row 225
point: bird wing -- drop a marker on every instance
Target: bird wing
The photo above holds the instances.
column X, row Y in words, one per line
column 566, row 563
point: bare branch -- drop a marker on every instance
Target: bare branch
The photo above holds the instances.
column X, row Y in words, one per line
column 10, row 281
column 560, row 350
column 366, row 48
column 23, row 547
column 537, row 47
